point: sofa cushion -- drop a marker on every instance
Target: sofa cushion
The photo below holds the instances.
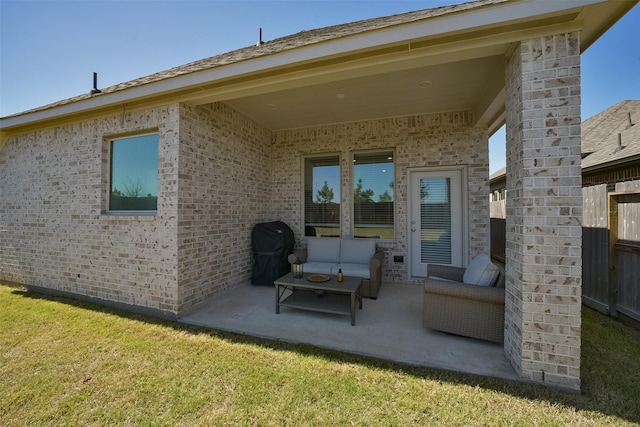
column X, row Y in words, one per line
column 323, row 249
column 442, row 279
column 357, row 251
column 355, row 270
column 481, row 271
column 319, row 267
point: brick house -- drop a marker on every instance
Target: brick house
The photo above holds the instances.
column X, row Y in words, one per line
column 233, row 140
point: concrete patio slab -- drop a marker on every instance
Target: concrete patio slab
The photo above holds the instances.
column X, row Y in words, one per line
column 389, row 327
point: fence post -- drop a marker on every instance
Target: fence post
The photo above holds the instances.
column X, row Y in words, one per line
column 613, row 256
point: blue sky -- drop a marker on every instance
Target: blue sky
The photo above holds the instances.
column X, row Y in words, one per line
column 50, row 49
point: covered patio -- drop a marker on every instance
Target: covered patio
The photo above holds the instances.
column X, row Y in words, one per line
column 388, row 328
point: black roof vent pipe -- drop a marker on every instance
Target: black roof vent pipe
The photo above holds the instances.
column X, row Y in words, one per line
column 260, row 42
column 95, row 89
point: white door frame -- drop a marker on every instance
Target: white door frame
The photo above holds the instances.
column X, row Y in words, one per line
column 462, row 170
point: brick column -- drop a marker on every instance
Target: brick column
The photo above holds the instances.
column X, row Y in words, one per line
column 544, row 211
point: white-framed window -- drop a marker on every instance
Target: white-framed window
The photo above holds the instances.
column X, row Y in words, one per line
column 322, row 195
column 374, row 195
column 133, row 174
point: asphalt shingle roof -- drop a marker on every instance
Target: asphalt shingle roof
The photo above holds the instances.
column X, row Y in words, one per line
column 600, row 135
column 298, row 40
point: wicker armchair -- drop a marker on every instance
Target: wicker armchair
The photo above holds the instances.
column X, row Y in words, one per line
column 458, row 308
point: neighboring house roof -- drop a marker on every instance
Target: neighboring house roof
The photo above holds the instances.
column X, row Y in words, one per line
column 381, row 61
column 612, row 137
column 498, row 175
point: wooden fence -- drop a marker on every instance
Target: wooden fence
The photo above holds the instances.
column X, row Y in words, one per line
column 595, row 248
column 610, row 247
column 624, row 252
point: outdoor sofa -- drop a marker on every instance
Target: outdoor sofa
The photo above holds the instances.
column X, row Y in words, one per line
column 355, row 257
column 459, row 308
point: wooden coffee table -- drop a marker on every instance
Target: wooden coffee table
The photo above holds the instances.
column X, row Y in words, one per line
column 326, row 297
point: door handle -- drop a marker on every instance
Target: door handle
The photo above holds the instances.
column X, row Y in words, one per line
column 413, row 229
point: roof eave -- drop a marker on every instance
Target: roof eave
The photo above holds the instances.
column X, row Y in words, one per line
column 612, row 164
column 484, row 16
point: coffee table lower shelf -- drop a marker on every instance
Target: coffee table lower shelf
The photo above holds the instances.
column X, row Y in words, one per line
column 327, row 303
column 326, row 297
column 332, row 303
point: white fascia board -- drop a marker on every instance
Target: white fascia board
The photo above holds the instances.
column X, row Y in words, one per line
column 402, row 33
column 474, row 19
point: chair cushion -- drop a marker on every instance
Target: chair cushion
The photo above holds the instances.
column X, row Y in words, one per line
column 442, row 279
column 357, row 251
column 355, row 270
column 319, row 267
column 481, row 271
column 323, row 249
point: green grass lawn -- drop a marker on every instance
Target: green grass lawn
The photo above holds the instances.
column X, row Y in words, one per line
column 65, row 362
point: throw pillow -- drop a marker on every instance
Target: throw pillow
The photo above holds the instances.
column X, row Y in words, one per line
column 481, row 271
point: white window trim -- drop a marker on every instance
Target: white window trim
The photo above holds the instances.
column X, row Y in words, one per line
column 132, row 214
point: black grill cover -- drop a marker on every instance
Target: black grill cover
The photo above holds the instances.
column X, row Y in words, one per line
column 272, row 243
